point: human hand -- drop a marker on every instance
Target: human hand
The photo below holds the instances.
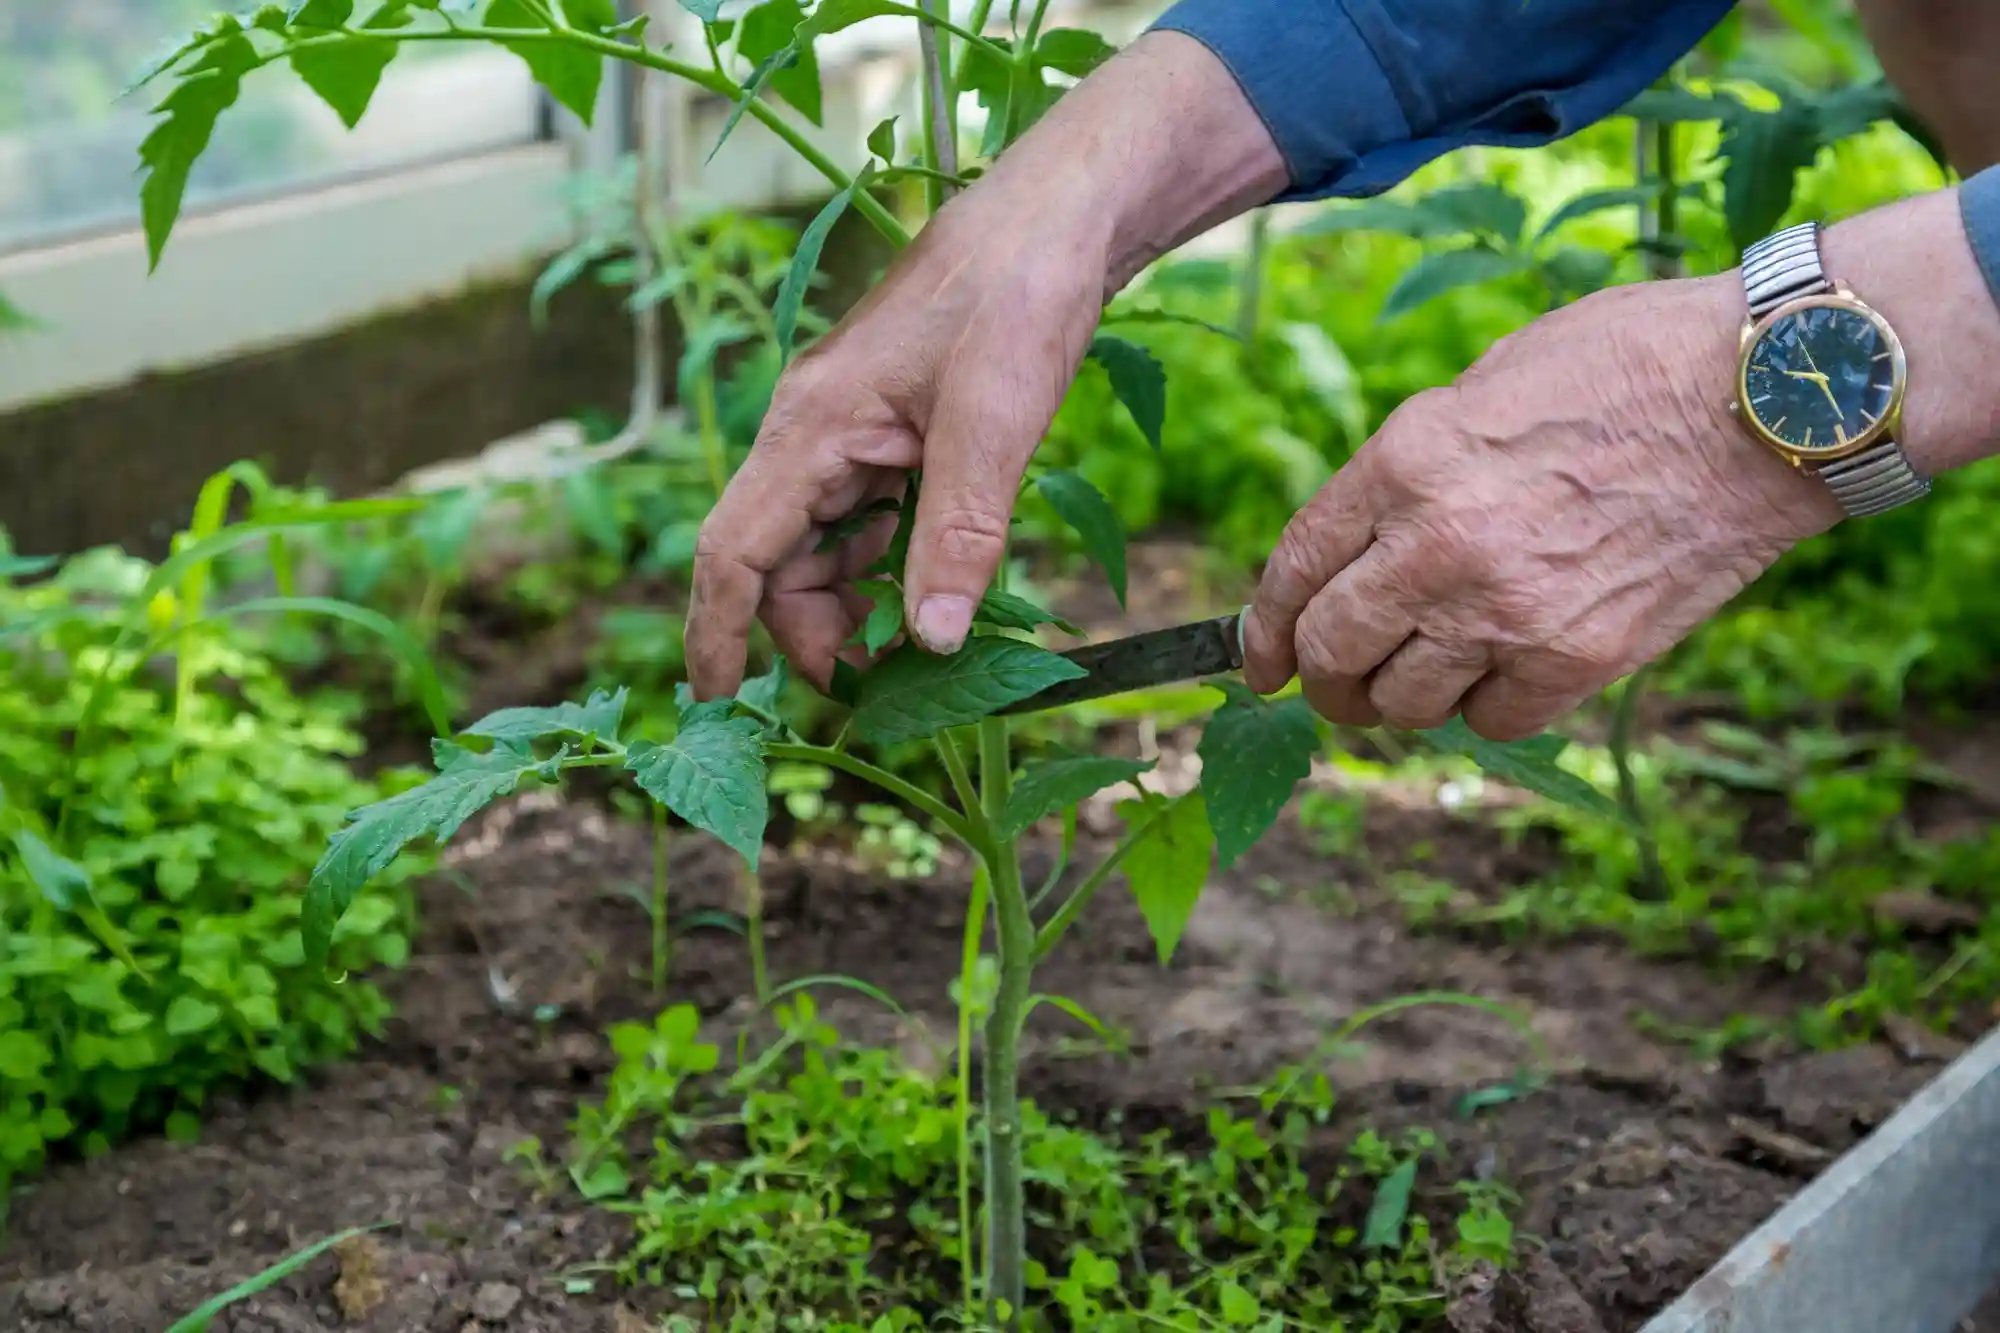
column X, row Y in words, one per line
column 1508, row 546
column 957, row 362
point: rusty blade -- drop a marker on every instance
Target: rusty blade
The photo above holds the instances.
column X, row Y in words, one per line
column 1141, row 661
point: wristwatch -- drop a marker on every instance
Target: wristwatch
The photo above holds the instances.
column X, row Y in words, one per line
column 1821, row 376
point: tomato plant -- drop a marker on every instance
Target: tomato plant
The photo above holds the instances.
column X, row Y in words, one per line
column 714, row 771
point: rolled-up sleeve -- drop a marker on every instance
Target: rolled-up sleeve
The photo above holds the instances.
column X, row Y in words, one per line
column 1359, row 94
column 1979, row 206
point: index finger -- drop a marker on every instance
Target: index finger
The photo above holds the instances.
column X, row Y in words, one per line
column 1324, row 538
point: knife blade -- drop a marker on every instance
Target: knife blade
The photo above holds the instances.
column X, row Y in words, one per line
column 1140, row 661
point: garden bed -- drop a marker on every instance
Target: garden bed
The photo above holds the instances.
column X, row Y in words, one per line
column 1637, row 1165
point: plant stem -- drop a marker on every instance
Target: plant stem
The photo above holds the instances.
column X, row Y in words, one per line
column 753, row 923
column 968, row 972
column 1652, row 876
column 1050, row 935
column 661, row 942
column 708, row 422
column 973, row 838
column 1007, row 1234
column 940, row 148
column 1252, row 292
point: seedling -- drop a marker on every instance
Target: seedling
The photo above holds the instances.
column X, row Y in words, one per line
column 714, row 772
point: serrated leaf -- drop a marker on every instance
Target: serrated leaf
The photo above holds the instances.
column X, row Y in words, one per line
column 1446, row 270
column 1006, row 610
column 597, row 719
column 1073, row 51
column 1168, row 866
column 770, row 28
column 1384, row 1227
column 376, row 835
column 345, row 72
column 913, row 694
column 708, row 11
column 1139, row 380
column 63, row 883
column 572, row 74
column 1095, row 522
column 1762, row 153
column 190, row 110
column 834, row 15
column 882, row 140
column 1678, row 106
column 885, row 619
column 1530, row 765
column 805, row 263
column 1050, row 785
column 320, row 13
column 1254, row 753
column 1479, row 207
column 712, row 775
column 764, row 692
column 1592, row 202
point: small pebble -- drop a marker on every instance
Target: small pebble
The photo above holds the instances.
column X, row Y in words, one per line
column 495, row 1301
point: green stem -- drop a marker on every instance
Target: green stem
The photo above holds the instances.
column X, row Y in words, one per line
column 1050, row 935
column 1006, row 1220
column 753, row 921
column 1652, row 875
column 661, row 943
column 708, row 423
column 915, row 796
column 953, row 759
column 1252, row 294
column 938, row 140
column 968, row 972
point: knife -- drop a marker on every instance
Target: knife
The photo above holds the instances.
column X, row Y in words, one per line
column 1140, row 661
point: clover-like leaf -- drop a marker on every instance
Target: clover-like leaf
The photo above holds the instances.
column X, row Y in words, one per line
column 1254, row 753
column 1139, row 380
column 1090, row 515
column 466, row 783
column 1168, row 865
column 1049, row 785
column 712, row 774
column 61, row 881
column 1006, row 610
column 912, row 694
column 1530, row 765
column 596, row 719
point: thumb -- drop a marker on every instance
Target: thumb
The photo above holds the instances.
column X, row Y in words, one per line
column 974, row 456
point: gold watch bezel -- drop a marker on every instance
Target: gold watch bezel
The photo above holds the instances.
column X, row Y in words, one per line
column 1839, row 299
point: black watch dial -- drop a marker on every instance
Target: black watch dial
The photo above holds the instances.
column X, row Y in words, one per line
column 1820, row 378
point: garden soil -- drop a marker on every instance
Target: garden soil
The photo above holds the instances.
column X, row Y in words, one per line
column 1638, row 1166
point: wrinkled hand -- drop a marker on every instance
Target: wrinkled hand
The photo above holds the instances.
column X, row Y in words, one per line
column 1508, row 546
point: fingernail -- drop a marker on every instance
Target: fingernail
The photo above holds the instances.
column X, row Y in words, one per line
column 943, row 623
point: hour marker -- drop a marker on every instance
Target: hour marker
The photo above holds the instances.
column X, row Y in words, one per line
column 1885, row 356
column 1840, row 433
column 1761, row 398
column 1871, row 420
column 1779, row 424
column 1807, row 442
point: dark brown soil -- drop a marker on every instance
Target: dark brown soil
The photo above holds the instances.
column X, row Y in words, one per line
column 1637, row 1167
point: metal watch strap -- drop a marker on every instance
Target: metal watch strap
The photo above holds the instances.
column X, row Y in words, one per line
column 1785, row 266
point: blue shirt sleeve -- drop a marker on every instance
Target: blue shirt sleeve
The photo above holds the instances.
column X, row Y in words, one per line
column 1979, row 206
column 1361, row 93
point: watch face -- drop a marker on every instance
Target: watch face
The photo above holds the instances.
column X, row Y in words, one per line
column 1820, row 378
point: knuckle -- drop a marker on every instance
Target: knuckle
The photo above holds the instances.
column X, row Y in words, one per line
column 1321, row 650
column 969, row 534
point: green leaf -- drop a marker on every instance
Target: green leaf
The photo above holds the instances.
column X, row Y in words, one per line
column 1530, row 765
column 912, row 694
column 753, row 88
column 1139, row 380
column 23, row 1056
column 563, row 270
column 1480, row 208
column 189, row 1014
column 1005, row 610
column 882, row 140
column 597, row 719
column 375, row 835
column 1073, row 51
column 1386, row 215
column 1238, row 1307
column 1446, row 270
column 1592, row 202
column 769, row 29
column 64, row 883
column 571, row 73
column 885, row 620
column 1090, row 515
column 834, row 15
column 1330, row 374
column 1762, row 153
column 1057, row 784
column 208, row 88
column 712, row 775
column 708, row 11
column 345, row 72
column 805, row 263
column 26, row 566
column 446, row 523
column 1254, row 753
column 763, row 692
column 707, row 339
column 1168, row 866
column 1575, row 271
column 593, row 510
column 1384, row 1227
column 1679, row 106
